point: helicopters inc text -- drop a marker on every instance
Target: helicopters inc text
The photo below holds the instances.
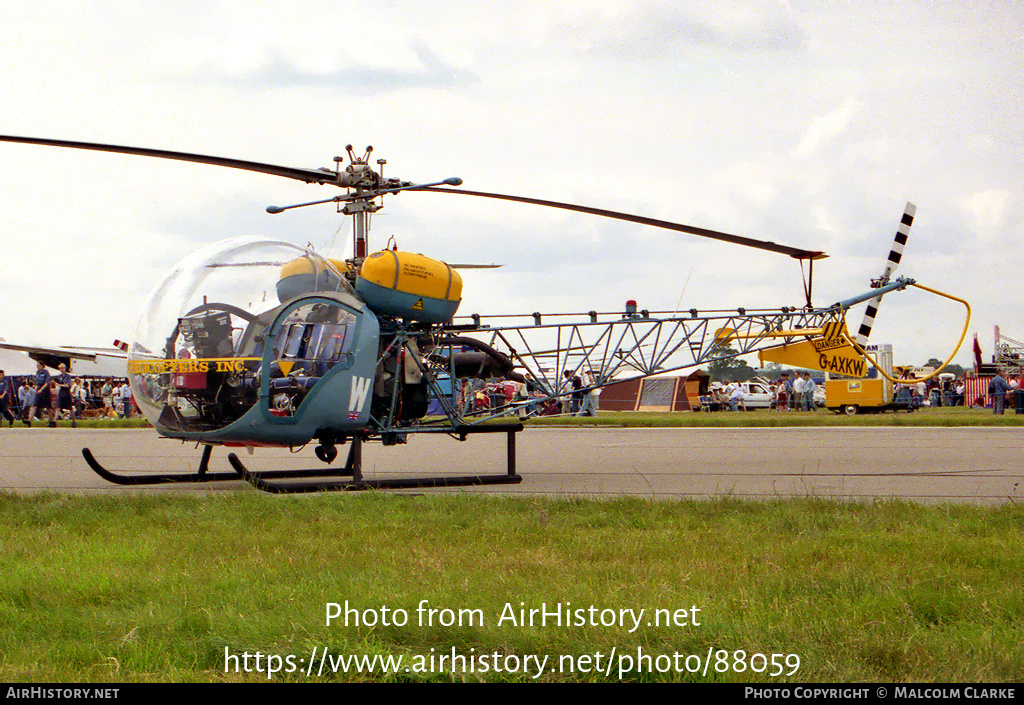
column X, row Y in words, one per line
column 557, row 614
column 208, row 364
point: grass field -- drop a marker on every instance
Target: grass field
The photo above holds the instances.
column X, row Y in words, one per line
column 955, row 416
column 182, row 588
column 231, row 586
column 134, row 422
column 951, row 416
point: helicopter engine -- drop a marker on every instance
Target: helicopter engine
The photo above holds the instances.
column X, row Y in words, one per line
column 476, row 360
column 398, row 367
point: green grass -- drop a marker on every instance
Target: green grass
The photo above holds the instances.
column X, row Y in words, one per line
column 773, row 419
column 156, row 588
column 958, row 416
column 134, row 422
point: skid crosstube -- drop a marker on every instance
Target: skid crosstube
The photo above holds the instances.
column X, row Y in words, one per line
column 353, row 470
column 331, row 476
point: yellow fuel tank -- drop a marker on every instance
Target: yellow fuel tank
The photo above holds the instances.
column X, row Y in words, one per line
column 306, row 275
column 408, row 285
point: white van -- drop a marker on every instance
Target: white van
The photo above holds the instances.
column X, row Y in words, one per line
column 757, row 395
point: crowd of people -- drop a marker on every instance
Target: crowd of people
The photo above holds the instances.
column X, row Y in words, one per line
column 798, row 394
column 1003, row 390
column 46, row 397
column 61, row 396
column 525, row 398
column 787, row 394
column 933, row 392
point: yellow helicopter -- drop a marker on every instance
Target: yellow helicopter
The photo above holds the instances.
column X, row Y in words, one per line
column 253, row 342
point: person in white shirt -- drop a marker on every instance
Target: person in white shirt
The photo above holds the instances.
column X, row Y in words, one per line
column 126, row 400
column 736, row 397
column 798, row 392
column 590, row 398
column 809, row 387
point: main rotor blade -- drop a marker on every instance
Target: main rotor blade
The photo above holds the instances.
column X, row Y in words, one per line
column 310, row 176
column 794, row 252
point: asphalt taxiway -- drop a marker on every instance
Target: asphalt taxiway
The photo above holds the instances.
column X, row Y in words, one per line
column 963, row 465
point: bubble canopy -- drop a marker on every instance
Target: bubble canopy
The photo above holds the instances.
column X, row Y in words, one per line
column 208, row 317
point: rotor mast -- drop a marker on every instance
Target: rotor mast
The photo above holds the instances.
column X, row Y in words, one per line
column 366, row 182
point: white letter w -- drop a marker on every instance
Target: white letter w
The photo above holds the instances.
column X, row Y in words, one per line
column 360, row 386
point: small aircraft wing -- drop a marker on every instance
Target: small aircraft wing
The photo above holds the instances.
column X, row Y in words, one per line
column 103, row 362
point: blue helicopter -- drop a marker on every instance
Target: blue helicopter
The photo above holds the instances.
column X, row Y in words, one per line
column 253, row 342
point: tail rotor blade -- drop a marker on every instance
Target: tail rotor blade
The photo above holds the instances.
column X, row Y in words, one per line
column 895, row 255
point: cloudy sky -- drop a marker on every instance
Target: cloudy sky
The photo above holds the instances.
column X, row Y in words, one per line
column 809, row 124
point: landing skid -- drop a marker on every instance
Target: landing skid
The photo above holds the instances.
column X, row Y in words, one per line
column 352, row 471
column 202, row 475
